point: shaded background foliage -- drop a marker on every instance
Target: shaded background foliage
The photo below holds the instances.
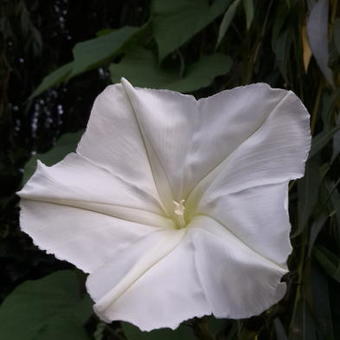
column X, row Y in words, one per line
column 195, row 46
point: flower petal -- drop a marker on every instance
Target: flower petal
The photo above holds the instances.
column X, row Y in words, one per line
column 257, row 216
column 165, row 120
column 161, row 290
column 77, row 182
column 113, row 141
column 74, row 206
column 274, row 152
column 226, row 120
column 240, row 283
column 181, row 152
column 85, row 238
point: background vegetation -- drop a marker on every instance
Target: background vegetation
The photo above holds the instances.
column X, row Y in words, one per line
column 195, row 46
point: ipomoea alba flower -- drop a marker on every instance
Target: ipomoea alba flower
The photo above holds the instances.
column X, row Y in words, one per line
column 176, row 207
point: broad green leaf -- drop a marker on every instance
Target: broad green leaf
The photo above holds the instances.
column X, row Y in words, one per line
column 226, row 21
column 88, row 55
column 92, row 53
column 140, row 67
column 317, row 30
column 176, row 21
column 249, row 9
column 181, row 333
column 65, row 144
column 62, row 328
column 50, row 308
column 54, row 78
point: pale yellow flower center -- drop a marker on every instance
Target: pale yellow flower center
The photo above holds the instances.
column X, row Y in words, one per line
column 179, row 210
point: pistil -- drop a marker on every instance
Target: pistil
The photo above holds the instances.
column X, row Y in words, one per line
column 179, row 213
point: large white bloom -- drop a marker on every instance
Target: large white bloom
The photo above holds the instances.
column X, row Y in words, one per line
column 176, row 207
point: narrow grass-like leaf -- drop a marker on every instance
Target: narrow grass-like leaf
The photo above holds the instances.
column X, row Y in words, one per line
column 328, row 261
column 308, row 190
column 317, row 29
column 336, row 34
column 316, row 227
column 321, row 303
column 321, row 140
column 226, row 21
column 249, row 10
column 279, row 330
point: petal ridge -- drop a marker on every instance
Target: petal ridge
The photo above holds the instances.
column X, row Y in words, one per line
column 214, row 175
column 157, row 168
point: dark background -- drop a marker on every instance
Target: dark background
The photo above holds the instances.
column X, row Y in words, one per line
column 37, row 37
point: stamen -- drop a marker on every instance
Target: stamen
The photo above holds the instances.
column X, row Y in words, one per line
column 179, row 212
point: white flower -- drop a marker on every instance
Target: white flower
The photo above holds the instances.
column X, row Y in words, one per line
column 176, row 207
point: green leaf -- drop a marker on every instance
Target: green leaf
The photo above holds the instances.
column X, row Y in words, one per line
column 303, row 326
column 49, row 308
column 317, row 30
column 140, row 67
column 279, row 330
column 321, row 303
column 88, row 55
column 336, row 145
column 63, row 328
column 226, row 21
column 181, row 333
column 321, row 140
column 328, row 261
column 67, row 143
column 92, row 53
column 337, row 34
column 315, row 229
column 176, row 21
column 308, row 193
column 54, row 78
column 281, row 47
column 249, row 9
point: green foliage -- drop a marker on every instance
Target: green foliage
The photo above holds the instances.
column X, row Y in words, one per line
column 53, row 79
column 141, row 68
column 172, row 44
column 88, row 55
column 175, row 22
column 66, row 144
column 181, row 333
column 48, row 309
column 226, row 21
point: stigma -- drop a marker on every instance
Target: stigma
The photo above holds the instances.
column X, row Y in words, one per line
column 179, row 210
